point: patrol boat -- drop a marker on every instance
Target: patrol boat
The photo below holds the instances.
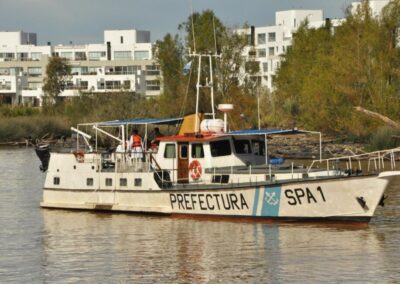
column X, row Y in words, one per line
column 212, row 172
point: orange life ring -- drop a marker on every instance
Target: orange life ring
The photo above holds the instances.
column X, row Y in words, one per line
column 195, row 170
column 80, row 156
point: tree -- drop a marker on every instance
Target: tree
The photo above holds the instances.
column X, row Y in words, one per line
column 58, row 71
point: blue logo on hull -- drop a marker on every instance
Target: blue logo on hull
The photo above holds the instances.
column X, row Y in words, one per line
column 271, row 201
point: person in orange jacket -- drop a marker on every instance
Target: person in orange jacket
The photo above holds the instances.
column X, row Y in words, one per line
column 136, row 145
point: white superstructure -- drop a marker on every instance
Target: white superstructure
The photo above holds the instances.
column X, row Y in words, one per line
column 124, row 61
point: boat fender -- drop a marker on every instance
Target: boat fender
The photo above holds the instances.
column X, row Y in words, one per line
column 79, row 155
column 195, row 170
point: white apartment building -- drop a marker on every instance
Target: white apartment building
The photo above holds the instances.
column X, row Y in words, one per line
column 123, row 62
column 376, row 6
column 269, row 43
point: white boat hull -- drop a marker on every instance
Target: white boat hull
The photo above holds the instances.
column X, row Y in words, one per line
column 351, row 198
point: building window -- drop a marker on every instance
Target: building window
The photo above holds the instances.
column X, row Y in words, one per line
column 220, row 148
column 127, row 85
column 142, row 55
column 83, row 85
column 265, row 66
column 108, row 181
column 4, row 71
column 89, row 181
column 36, row 56
column 261, row 39
column 67, row 55
column 271, row 37
column 35, row 71
column 96, row 55
column 5, row 85
column 271, row 51
column 138, row 182
column 152, row 85
column 170, row 152
column 7, row 56
column 197, row 151
column 34, row 85
column 277, row 49
column 122, row 39
column 123, row 182
column 152, row 70
column 79, row 55
column 113, row 85
column 56, row 180
column 23, row 56
column 261, row 52
column 122, row 55
column 283, row 48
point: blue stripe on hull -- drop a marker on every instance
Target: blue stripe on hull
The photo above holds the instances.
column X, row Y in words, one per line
column 271, row 201
column 255, row 203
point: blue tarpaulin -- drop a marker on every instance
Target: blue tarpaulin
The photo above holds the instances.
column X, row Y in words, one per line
column 154, row 121
column 264, row 132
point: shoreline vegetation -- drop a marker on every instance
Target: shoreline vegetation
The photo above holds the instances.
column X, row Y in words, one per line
column 322, row 78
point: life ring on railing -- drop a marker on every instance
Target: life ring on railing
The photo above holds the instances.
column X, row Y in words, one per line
column 195, row 170
column 80, row 156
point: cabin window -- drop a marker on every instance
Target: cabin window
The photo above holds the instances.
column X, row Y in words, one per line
column 183, row 151
column 242, row 146
column 108, row 181
column 56, row 181
column 258, row 147
column 170, row 151
column 138, row 182
column 220, row 148
column 123, row 182
column 197, row 151
column 89, row 181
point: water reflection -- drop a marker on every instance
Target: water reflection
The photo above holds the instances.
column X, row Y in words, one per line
column 117, row 247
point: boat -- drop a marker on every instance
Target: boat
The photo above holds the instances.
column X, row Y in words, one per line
column 210, row 171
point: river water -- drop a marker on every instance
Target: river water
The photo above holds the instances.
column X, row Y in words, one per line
column 45, row 246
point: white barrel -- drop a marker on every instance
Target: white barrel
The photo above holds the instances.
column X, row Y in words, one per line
column 212, row 126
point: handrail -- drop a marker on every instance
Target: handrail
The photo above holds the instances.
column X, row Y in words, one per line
column 376, row 155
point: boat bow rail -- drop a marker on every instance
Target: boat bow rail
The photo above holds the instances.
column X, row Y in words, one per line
column 366, row 163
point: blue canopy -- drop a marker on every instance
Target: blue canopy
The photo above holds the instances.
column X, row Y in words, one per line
column 157, row 121
column 264, row 132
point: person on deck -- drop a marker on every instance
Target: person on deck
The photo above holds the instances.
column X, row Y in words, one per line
column 136, row 145
column 156, row 134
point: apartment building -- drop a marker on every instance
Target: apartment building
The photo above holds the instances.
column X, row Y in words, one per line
column 124, row 61
column 267, row 44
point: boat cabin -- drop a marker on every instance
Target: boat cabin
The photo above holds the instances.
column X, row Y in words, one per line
column 189, row 156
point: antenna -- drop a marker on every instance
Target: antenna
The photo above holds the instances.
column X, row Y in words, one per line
column 215, row 36
column 194, row 39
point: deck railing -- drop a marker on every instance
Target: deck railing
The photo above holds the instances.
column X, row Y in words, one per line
column 367, row 163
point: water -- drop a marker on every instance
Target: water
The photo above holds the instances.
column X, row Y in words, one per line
column 45, row 246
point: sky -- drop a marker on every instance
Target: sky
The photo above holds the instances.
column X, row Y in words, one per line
column 83, row 21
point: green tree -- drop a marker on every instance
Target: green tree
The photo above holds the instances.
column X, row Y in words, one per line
column 58, row 71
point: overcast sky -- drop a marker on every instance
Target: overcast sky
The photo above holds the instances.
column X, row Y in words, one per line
column 83, row 21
